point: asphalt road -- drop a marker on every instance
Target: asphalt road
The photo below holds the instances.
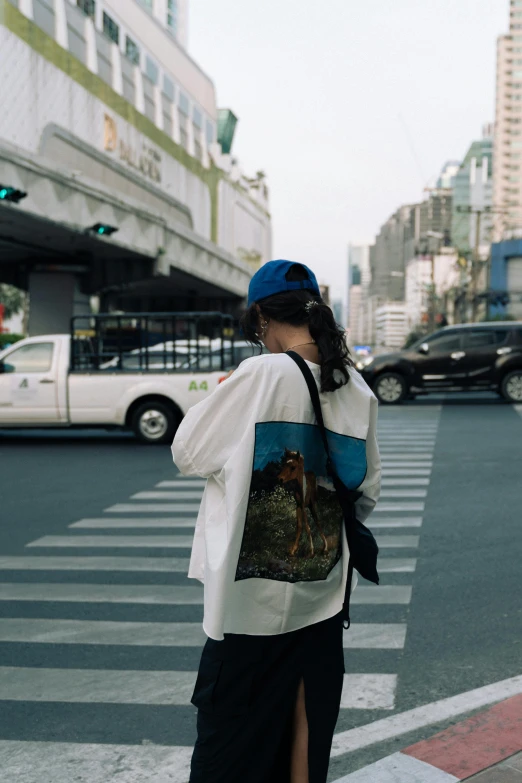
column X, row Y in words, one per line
column 447, row 619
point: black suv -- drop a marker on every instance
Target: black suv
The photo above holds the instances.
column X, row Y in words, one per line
column 468, row 357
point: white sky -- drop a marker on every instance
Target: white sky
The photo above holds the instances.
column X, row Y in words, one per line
column 332, row 94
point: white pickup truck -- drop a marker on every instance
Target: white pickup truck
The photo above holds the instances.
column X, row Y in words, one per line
column 75, row 381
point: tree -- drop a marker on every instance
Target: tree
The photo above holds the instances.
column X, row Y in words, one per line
column 12, row 299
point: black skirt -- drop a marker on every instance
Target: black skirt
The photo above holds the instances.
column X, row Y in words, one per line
column 246, row 693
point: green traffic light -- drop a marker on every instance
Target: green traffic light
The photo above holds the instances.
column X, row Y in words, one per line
column 3, row 192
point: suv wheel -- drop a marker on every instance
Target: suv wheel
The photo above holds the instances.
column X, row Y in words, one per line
column 390, row 388
column 154, row 422
column 512, row 386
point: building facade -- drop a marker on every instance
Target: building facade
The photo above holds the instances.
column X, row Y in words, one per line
column 108, row 119
column 473, row 199
column 391, row 326
column 507, row 180
column 359, row 278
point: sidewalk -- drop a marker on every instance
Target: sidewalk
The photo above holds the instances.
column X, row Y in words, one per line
column 486, row 748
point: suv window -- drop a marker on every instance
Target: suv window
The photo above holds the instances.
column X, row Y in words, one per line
column 481, row 338
column 30, row 358
column 445, row 343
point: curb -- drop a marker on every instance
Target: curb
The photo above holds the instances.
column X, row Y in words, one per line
column 455, row 754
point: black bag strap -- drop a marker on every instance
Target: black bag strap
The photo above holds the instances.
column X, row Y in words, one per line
column 316, row 402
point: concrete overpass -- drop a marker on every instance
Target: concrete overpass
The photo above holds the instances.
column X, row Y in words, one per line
column 155, row 260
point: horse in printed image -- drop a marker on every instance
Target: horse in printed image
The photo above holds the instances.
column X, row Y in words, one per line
column 304, row 487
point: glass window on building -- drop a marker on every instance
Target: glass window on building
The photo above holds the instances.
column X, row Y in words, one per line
column 197, row 118
column 210, row 133
column 147, row 4
column 184, row 104
column 151, row 69
column 183, row 129
column 172, row 16
column 88, row 7
column 168, row 88
column 110, row 28
column 132, row 50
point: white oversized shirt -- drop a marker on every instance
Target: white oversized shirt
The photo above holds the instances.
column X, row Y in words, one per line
column 269, row 543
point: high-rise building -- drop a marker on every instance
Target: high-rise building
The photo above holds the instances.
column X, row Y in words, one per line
column 359, row 277
column 472, row 196
column 507, row 150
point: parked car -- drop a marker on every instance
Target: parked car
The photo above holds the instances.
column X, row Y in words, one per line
column 467, row 357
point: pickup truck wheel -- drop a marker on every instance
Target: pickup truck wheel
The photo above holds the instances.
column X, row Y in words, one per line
column 154, row 422
column 512, row 386
column 390, row 388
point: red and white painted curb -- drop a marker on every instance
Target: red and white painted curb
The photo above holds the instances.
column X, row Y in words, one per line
column 455, row 754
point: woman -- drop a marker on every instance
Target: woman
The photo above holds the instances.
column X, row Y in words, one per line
column 269, row 542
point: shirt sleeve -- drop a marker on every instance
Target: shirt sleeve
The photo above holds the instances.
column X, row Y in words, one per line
column 215, row 427
column 371, row 486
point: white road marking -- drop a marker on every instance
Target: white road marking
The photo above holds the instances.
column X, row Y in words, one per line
column 425, row 464
column 397, row 565
column 396, row 541
column 36, row 631
column 427, row 715
column 159, row 495
column 167, row 595
column 375, row 636
column 106, row 523
column 369, row 692
column 408, row 482
column 95, row 593
column 93, row 563
column 183, row 542
column 518, row 409
column 175, row 542
column 96, row 686
column 174, row 688
column 381, row 594
column 376, row 522
column 404, row 493
column 152, row 508
column 61, row 762
column 391, row 454
column 390, row 507
column 399, row 768
column 406, row 472
column 185, row 483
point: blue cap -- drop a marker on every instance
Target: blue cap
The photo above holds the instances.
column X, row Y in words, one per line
column 271, row 280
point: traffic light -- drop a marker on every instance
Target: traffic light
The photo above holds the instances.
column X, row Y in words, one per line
column 8, row 193
column 103, row 229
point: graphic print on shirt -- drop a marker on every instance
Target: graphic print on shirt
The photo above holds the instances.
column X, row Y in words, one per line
column 293, row 526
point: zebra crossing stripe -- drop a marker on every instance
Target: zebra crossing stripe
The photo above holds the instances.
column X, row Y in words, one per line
column 159, row 541
column 172, row 542
column 43, row 762
column 408, row 482
column 404, row 493
column 393, row 522
column 153, row 508
column 160, row 495
column 165, row 688
column 363, row 636
column 101, row 632
column 369, row 691
column 93, row 563
column 161, row 594
column 106, row 523
column 185, row 483
column 390, row 507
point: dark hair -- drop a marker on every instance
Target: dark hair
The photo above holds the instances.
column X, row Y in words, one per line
column 290, row 308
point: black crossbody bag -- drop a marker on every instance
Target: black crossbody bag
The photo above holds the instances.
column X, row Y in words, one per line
column 361, row 542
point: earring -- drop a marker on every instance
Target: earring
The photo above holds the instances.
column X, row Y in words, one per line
column 264, row 327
